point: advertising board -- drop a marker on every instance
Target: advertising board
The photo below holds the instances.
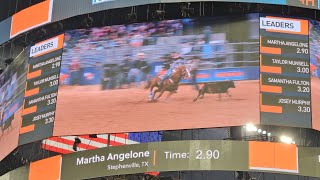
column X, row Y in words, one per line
column 31, row 17
column 108, row 74
column 313, row 4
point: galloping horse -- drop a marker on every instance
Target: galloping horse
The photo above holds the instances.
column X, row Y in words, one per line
column 170, row 84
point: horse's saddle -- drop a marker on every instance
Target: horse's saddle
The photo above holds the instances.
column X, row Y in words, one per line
column 159, row 83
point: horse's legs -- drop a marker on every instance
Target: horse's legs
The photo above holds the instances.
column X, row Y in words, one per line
column 219, row 96
column 154, row 94
column 2, row 130
column 161, row 92
column 150, row 94
column 199, row 94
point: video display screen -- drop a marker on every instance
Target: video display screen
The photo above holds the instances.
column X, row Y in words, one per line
column 285, row 72
column 315, row 72
column 174, row 74
column 12, row 82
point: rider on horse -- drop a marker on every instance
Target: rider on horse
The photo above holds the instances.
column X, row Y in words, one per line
column 178, row 61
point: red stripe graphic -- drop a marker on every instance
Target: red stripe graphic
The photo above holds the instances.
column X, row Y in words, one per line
column 69, row 142
column 64, row 144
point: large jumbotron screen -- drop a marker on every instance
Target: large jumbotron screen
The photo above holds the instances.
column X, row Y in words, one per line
column 105, row 73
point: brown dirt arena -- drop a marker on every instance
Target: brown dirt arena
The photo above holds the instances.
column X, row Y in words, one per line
column 315, row 93
column 10, row 137
column 88, row 110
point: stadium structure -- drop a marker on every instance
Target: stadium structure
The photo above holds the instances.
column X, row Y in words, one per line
column 159, row 89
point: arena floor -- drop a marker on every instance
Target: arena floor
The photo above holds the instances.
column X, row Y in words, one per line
column 88, row 110
column 10, row 137
column 315, row 92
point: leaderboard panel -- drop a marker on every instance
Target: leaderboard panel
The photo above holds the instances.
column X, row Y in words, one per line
column 285, row 72
column 41, row 90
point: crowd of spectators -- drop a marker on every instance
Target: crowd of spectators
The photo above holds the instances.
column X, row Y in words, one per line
column 124, row 53
column 134, row 35
column 133, row 66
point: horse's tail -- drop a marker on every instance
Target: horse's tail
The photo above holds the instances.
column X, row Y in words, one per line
column 148, row 85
